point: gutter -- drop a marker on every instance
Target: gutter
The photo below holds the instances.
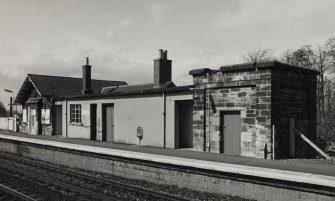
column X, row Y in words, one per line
column 205, row 100
column 164, row 120
column 66, row 118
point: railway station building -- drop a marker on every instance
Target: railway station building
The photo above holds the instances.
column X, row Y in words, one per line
column 153, row 114
column 37, row 96
column 239, row 110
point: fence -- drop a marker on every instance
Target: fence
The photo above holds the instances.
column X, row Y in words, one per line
column 4, row 123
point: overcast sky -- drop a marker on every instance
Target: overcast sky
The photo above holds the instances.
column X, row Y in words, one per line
column 122, row 37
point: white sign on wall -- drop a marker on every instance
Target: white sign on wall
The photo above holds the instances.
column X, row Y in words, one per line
column 45, row 116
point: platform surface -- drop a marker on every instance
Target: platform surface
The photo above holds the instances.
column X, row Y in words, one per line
column 305, row 171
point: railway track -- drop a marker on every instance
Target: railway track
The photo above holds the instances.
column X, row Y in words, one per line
column 84, row 184
column 9, row 193
column 42, row 188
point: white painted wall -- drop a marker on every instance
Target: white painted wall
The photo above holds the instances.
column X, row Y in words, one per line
column 75, row 130
column 144, row 112
column 129, row 113
column 4, row 123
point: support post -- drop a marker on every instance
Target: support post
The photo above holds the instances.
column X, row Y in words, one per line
column 292, row 138
column 313, row 145
column 205, row 142
column 11, row 107
column 273, row 142
column 209, row 122
column 164, row 120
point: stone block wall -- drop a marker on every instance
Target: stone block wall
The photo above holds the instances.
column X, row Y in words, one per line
column 294, row 96
column 248, row 91
column 266, row 94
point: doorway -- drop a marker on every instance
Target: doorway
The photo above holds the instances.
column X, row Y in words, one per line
column 93, row 116
column 32, row 121
column 58, row 120
column 230, row 132
column 108, row 122
column 184, row 124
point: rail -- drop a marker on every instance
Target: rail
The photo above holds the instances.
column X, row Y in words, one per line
column 15, row 193
column 91, row 179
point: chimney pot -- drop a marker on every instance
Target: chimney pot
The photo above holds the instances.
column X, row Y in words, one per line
column 86, row 78
column 162, row 68
column 165, row 54
column 160, row 54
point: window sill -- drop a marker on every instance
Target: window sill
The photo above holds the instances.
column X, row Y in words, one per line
column 75, row 124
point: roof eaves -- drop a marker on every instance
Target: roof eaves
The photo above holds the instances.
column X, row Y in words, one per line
column 186, row 88
column 199, row 71
column 34, row 85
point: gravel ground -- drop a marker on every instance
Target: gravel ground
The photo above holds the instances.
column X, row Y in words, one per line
column 32, row 186
column 170, row 189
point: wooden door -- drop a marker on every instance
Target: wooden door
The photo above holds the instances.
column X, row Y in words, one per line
column 58, row 120
column 230, row 132
column 32, row 121
column 108, row 122
column 93, row 116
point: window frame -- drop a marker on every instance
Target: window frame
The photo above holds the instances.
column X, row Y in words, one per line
column 45, row 116
column 75, row 113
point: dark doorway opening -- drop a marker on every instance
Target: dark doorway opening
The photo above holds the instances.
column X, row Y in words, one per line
column 93, row 112
column 230, row 132
column 184, row 124
column 58, row 120
column 108, row 122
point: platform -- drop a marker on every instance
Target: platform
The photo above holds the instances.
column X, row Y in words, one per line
column 304, row 171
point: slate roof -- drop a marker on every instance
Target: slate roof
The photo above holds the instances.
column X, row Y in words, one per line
column 53, row 86
column 135, row 88
column 33, row 100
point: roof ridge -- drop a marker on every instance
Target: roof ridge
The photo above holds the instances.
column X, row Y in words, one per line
column 29, row 74
column 135, row 85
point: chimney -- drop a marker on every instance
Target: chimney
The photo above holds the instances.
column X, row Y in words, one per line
column 86, row 78
column 162, row 68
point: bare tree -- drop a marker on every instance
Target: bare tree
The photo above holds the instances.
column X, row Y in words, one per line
column 318, row 58
column 321, row 58
column 286, row 57
column 3, row 111
column 256, row 55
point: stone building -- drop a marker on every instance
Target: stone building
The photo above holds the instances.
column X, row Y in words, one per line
column 237, row 107
column 241, row 109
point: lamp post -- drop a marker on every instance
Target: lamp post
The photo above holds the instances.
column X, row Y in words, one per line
column 11, row 112
column 11, row 102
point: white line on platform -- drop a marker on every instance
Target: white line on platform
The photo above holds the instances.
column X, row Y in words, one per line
column 208, row 165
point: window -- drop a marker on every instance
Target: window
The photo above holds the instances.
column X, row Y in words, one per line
column 75, row 113
column 24, row 116
column 45, row 116
column 32, row 117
